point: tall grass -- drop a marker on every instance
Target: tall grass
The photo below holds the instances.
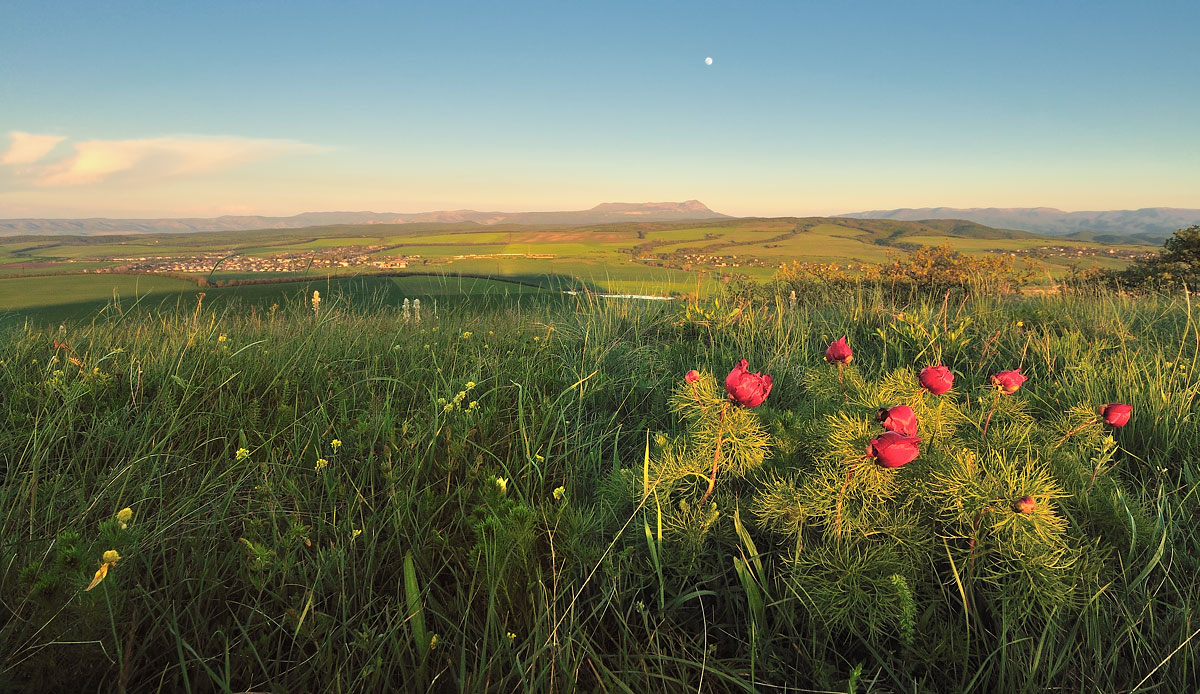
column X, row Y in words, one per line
column 402, row 563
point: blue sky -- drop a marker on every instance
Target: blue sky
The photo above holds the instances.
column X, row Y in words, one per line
column 162, row 108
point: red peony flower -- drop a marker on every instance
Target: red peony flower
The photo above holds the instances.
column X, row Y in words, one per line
column 1116, row 413
column 692, row 376
column 890, row 449
column 936, row 379
column 745, row 388
column 1025, row 504
column 839, row 352
column 900, row 419
column 1008, row 381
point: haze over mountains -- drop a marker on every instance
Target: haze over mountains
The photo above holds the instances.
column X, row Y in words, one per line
column 1151, row 224
column 1148, row 224
column 608, row 212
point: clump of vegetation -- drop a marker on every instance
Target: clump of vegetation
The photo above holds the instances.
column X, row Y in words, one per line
column 543, row 495
column 1178, row 264
column 929, row 271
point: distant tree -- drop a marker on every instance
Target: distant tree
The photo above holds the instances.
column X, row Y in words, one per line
column 1178, row 262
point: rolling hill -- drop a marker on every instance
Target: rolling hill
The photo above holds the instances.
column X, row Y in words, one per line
column 1150, row 224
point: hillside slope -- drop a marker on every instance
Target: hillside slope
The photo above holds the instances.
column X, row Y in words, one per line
column 1148, row 224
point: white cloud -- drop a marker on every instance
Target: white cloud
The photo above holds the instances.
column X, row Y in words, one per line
column 95, row 161
column 27, row 148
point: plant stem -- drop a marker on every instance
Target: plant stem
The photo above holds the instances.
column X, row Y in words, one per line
column 837, row 516
column 1092, row 481
column 712, row 481
column 992, row 411
column 1074, row 431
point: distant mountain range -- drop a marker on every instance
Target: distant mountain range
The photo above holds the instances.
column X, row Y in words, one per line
column 603, row 213
column 1151, row 224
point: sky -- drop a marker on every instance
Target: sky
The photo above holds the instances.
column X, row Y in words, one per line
column 131, row 109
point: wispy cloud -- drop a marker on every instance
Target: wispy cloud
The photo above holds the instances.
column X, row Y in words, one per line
column 26, row 148
column 154, row 158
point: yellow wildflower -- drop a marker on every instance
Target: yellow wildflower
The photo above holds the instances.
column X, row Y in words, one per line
column 467, row 335
column 433, row 642
column 474, row 404
column 470, row 385
column 559, row 493
column 511, row 636
column 447, row 407
column 221, row 337
column 321, row 463
column 1020, row 324
column 356, row 532
column 336, row 443
column 110, row 558
column 502, row 483
column 241, row 454
column 124, row 516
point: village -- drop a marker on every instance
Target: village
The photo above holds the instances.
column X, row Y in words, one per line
column 282, row 263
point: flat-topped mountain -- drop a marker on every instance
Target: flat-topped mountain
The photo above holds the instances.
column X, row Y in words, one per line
column 1147, row 224
column 602, row 213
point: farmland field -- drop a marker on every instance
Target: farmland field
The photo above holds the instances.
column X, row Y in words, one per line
column 641, row 258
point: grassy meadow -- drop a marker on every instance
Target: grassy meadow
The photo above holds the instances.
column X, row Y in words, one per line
column 624, row 258
column 349, row 500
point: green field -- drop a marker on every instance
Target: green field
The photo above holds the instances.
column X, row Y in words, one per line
column 513, row 495
column 622, row 258
column 80, row 298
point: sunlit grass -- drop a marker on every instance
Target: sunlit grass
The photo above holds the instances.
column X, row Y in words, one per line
column 315, row 501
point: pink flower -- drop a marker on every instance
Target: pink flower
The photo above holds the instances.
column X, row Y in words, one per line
column 839, row 352
column 900, row 419
column 936, row 379
column 1025, row 504
column 890, row 449
column 1116, row 413
column 692, row 376
column 1008, row 381
column 745, row 388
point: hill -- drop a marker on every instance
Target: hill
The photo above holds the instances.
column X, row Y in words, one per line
column 602, row 213
column 1150, row 224
column 73, row 272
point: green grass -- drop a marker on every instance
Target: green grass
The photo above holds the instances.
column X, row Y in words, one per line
column 265, row 573
column 72, row 298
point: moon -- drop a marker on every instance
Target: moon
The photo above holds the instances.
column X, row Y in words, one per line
column 708, row 61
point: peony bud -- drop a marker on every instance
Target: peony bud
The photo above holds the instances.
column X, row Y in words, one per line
column 839, row 352
column 900, row 419
column 692, row 376
column 936, row 379
column 1116, row 413
column 890, row 449
column 1008, row 381
column 1025, row 504
column 745, row 388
